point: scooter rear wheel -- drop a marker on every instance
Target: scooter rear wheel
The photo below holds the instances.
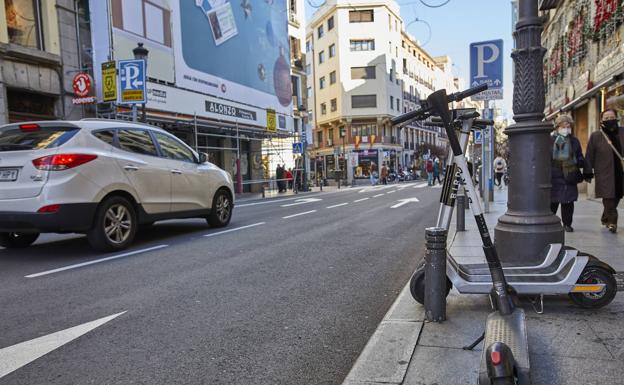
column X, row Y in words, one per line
column 417, row 284
column 593, row 275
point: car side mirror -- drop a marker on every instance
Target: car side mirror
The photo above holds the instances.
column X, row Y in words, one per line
column 203, row 158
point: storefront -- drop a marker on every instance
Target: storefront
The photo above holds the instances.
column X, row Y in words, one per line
column 365, row 159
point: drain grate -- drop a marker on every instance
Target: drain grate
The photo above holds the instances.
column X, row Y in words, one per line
column 619, row 277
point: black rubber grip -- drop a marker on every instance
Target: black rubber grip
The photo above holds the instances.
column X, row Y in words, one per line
column 458, row 96
column 412, row 115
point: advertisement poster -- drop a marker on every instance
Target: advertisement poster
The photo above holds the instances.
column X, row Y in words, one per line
column 237, row 50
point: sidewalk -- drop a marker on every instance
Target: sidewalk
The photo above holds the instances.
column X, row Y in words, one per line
column 568, row 345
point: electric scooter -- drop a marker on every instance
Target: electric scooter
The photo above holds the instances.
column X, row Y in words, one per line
column 588, row 281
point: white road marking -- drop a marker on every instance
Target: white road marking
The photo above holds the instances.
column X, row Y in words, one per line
column 360, row 200
column 95, row 261
column 420, row 185
column 18, row 355
column 378, row 195
column 338, row 205
column 404, row 201
column 302, row 201
column 390, row 192
column 234, row 229
column 296, row 215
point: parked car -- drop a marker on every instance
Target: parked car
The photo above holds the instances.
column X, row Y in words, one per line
column 103, row 178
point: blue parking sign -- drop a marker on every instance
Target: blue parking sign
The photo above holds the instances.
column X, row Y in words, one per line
column 486, row 67
column 132, row 82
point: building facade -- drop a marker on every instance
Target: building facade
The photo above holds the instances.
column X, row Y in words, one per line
column 584, row 61
column 42, row 47
column 363, row 69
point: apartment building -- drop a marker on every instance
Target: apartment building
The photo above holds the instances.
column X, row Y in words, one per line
column 363, row 69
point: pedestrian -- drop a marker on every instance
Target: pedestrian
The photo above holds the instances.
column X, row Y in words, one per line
column 429, row 169
column 604, row 157
column 500, row 166
column 373, row 172
column 384, row 174
column 289, row 178
column 566, row 165
column 436, row 170
column 279, row 176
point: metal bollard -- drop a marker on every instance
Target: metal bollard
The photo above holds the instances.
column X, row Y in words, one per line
column 435, row 274
column 461, row 213
column 263, row 190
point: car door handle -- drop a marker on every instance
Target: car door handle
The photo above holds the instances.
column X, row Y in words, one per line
column 177, row 172
column 130, row 168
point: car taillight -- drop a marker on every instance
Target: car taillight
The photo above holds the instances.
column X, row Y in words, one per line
column 62, row 162
column 29, row 127
column 49, row 209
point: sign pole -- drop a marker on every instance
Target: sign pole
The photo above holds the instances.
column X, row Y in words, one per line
column 239, row 177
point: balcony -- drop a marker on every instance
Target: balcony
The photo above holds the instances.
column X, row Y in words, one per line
column 292, row 19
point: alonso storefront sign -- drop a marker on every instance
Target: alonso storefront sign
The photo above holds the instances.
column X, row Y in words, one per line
column 82, row 89
column 171, row 99
column 109, row 81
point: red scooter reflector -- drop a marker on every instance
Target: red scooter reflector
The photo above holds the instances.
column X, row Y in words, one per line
column 495, row 357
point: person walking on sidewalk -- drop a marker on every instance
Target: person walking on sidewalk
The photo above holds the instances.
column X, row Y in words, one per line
column 500, row 166
column 429, row 169
column 289, row 178
column 604, row 157
column 373, row 172
column 279, row 175
column 383, row 175
column 567, row 160
column 436, row 170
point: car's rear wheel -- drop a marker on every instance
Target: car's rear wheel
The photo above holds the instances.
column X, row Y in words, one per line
column 221, row 212
column 17, row 240
column 115, row 225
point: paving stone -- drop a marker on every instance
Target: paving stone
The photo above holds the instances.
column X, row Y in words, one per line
column 443, row 366
column 549, row 370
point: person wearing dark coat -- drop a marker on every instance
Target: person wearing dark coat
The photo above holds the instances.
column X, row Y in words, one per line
column 279, row 175
column 567, row 160
column 604, row 152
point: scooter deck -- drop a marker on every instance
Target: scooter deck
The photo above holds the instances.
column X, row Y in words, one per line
column 511, row 330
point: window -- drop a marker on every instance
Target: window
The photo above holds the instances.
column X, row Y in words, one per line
column 363, row 101
column 323, row 108
column 293, row 6
column 391, row 102
column 320, row 31
column 143, row 18
column 14, row 138
column 309, row 92
column 334, row 104
column 396, row 25
column 363, row 16
column 23, row 23
column 363, row 129
column 332, row 77
column 332, row 50
column 106, row 136
column 398, row 102
column 172, row 148
column 363, row 72
column 308, row 45
column 363, row 45
column 137, row 141
column 322, row 82
column 321, row 57
column 330, row 23
column 319, row 138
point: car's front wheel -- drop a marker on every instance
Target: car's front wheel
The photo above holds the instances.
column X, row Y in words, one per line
column 17, row 240
column 115, row 225
column 221, row 212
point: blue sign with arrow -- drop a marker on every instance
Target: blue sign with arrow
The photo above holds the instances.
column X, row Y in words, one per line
column 486, row 67
column 132, row 84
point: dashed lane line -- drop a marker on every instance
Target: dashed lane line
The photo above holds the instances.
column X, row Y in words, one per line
column 338, row 205
column 378, row 195
column 360, row 200
column 390, row 192
column 78, row 265
column 234, row 229
column 296, row 215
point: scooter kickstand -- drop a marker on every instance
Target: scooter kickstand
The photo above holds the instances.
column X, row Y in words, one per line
column 539, row 298
column 474, row 344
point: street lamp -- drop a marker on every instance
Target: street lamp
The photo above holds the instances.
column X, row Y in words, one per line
column 304, row 144
column 140, row 53
column 343, row 134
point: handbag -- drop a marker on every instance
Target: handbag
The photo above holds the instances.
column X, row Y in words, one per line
column 613, row 147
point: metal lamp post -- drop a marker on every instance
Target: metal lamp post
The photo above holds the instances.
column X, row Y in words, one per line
column 304, row 144
column 343, row 134
column 528, row 225
column 140, row 53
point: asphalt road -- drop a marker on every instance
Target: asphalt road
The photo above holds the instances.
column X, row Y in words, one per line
column 288, row 293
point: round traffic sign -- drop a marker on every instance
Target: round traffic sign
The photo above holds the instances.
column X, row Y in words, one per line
column 81, row 84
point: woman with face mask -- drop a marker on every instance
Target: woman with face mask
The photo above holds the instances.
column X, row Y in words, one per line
column 567, row 159
column 604, row 156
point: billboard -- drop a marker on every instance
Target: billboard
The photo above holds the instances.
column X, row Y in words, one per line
column 238, row 50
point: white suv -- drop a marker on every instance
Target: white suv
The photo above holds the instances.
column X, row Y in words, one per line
column 103, row 178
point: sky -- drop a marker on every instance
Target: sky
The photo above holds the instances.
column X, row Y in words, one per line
column 454, row 27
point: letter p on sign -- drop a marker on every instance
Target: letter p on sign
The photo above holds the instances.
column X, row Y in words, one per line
column 486, row 67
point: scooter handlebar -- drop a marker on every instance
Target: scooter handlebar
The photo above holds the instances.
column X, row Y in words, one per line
column 459, row 96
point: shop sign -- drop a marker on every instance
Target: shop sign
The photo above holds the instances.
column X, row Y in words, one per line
column 608, row 65
column 270, row 120
column 82, row 88
column 354, row 159
column 109, row 81
column 225, row 109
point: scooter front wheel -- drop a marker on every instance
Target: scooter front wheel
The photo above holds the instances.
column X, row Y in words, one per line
column 417, row 285
column 594, row 275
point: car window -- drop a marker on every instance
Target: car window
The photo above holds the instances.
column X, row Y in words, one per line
column 137, row 141
column 106, row 136
column 16, row 138
column 171, row 148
